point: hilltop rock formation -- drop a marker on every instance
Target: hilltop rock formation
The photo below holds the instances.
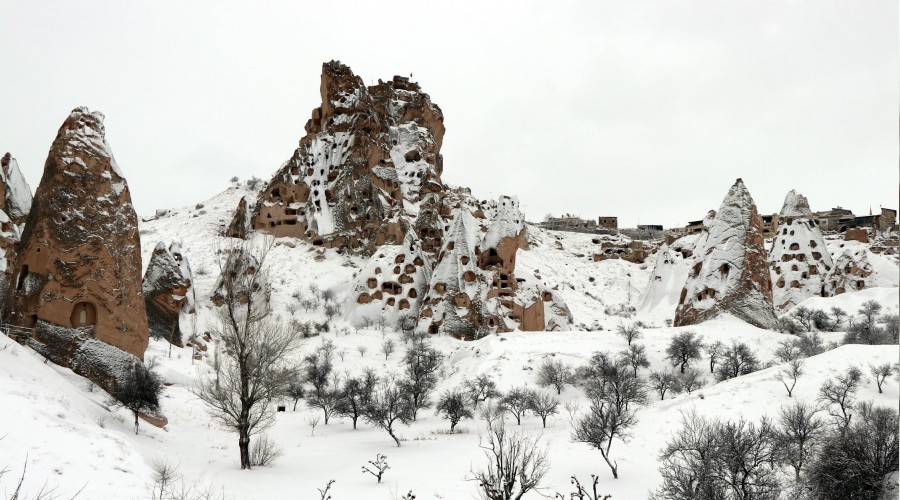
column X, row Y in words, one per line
column 369, row 156
column 366, row 179
column 167, row 288
column 798, row 259
column 79, row 262
column 730, row 273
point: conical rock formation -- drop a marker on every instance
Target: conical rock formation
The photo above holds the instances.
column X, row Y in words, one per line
column 79, row 264
column 730, row 273
column 240, row 223
column 798, row 259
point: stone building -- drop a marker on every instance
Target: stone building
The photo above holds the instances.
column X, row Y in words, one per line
column 611, row 223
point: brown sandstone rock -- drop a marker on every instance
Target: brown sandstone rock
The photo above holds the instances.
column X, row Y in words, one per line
column 240, row 223
column 79, row 263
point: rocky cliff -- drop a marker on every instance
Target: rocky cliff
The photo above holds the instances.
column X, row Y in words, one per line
column 168, row 293
column 366, row 179
column 730, row 273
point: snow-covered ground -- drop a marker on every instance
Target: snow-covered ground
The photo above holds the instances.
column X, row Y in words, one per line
column 62, row 429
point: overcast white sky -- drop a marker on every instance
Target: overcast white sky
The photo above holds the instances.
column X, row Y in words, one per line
column 644, row 110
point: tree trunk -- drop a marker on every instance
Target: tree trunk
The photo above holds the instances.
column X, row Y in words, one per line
column 544, row 420
column 244, row 445
column 135, row 423
column 391, row 432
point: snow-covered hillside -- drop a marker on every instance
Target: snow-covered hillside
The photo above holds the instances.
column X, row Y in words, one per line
column 63, row 430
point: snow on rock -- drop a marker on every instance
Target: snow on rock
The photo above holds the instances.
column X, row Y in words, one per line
column 799, row 259
column 369, row 156
column 166, row 289
column 240, row 223
column 79, row 261
column 393, row 283
column 15, row 190
column 730, row 273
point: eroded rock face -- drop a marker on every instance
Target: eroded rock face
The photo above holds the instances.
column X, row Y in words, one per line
column 852, row 271
column 366, row 179
column 166, row 289
column 79, row 262
column 15, row 190
column 798, row 259
column 730, row 273
column 369, row 156
column 240, row 223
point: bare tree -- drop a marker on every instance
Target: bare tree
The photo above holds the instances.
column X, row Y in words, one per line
column 719, row 460
column 581, row 491
column 331, row 311
column 854, row 461
column 378, row 467
column 737, row 360
column 257, row 346
column 804, row 316
column 881, row 373
column 387, row 407
column 362, row 350
column 480, row 389
column 543, row 405
column 798, row 432
column 838, row 315
column 517, row 463
column 554, row 372
column 515, row 402
column 789, row 375
column 663, row 382
column 422, row 363
column 356, row 394
column 630, row 332
column 691, row 379
column 684, row 348
column 614, row 392
column 387, row 347
column 636, row 357
column 296, row 387
column 138, row 391
column 715, row 350
column 327, row 399
column 453, row 406
column 841, row 393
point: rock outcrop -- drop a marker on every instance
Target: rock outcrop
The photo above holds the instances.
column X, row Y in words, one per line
column 369, row 156
column 852, row 271
column 16, row 192
column 240, row 223
column 366, row 179
column 166, row 289
column 392, row 284
column 798, row 258
column 79, row 260
column 730, row 273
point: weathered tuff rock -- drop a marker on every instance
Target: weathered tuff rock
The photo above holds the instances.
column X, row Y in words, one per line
column 15, row 191
column 366, row 179
column 79, row 260
column 240, row 223
column 852, row 271
column 730, row 273
column 798, row 258
column 237, row 278
column 369, row 156
column 167, row 288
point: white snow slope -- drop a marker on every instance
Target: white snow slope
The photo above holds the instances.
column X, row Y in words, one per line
column 69, row 440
